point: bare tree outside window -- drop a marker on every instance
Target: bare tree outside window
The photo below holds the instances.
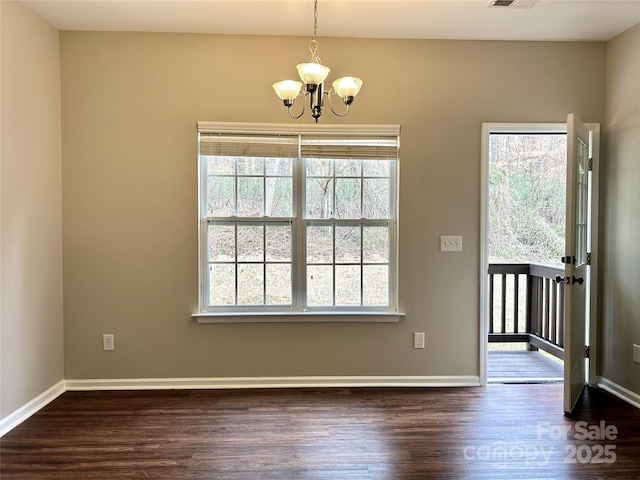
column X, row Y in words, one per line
column 527, row 190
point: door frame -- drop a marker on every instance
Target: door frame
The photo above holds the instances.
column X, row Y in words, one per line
column 523, row 128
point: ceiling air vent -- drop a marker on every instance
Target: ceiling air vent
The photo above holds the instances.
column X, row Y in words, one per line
column 513, row 3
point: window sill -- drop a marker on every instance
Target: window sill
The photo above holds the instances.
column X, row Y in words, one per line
column 299, row 317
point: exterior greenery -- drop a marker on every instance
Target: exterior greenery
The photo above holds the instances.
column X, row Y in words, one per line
column 527, row 191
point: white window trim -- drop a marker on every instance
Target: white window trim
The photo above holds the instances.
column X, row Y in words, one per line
column 260, row 314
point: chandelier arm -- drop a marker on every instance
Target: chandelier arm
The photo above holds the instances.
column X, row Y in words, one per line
column 303, row 109
column 331, row 106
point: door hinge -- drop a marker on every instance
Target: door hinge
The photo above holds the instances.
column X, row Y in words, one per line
column 591, row 164
column 589, row 258
column 586, row 351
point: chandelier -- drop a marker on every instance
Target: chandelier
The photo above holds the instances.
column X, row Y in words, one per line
column 313, row 75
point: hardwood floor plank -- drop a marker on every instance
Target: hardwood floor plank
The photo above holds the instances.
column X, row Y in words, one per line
column 498, row 432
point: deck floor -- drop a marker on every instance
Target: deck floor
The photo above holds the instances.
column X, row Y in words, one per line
column 522, row 366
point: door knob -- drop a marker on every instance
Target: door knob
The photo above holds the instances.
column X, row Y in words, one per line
column 578, row 280
column 559, row 279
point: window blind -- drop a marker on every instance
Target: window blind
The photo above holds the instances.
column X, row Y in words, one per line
column 350, row 147
column 365, row 142
column 226, row 145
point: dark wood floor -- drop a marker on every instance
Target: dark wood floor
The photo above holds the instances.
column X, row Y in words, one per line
column 522, row 366
column 498, row 432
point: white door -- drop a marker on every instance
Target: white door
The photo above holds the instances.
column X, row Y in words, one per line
column 576, row 276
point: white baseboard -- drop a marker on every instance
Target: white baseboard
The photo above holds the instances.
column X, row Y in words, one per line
column 24, row 412
column 619, row 391
column 21, row 414
column 271, row 382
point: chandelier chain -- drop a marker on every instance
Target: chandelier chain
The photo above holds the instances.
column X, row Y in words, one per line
column 313, row 44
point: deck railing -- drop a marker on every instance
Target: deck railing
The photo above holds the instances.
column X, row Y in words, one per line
column 526, row 305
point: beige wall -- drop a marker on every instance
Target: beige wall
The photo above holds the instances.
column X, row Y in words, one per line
column 129, row 191
column 31, row 326
column 620, row 214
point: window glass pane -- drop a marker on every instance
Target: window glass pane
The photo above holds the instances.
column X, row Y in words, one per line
column 250, row 196
column 375, row 244
column 319, row 198
column 279, row 197
column 376, row 198
column 278, row 284
column 278, row 242
column 581, row 204
column 250, row 166
column 222, row 284
column 347, row 285
column 250, row 242
column 221, row 196
column 375, row 285
column 319, row 167
column 376, row 168
column 347, row 243
column 348, row 198
column 583, row 166
column 319, row 285
column 221, row 165
column 348, row 168
column 222, row 242
column 319, row 244
column 251, row 284
column 278, row 166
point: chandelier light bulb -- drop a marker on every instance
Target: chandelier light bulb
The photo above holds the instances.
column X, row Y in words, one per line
column 347, row 87
column 312, row 73
column 287, row 89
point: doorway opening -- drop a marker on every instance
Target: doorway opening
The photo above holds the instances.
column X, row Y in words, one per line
column 526, row 172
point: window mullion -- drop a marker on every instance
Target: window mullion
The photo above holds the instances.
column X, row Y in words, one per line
column 264, row 234
column 235, row 184
column 333, row 256
column 264, row 263
column 299, row 233
column 361, row 234
column 361, row 263
column 334, row 217
column 235, row 251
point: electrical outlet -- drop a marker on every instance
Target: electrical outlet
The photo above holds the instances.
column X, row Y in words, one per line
column 451, row 243
column 636, row 353
column 418, row 340
column 107, row 342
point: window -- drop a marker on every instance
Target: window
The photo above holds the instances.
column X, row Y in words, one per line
column 297, row 219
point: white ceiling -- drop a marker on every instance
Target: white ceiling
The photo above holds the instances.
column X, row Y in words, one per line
column 598, row 20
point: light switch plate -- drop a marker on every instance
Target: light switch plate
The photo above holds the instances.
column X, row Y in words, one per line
column 451, row 243
column 107, row 342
